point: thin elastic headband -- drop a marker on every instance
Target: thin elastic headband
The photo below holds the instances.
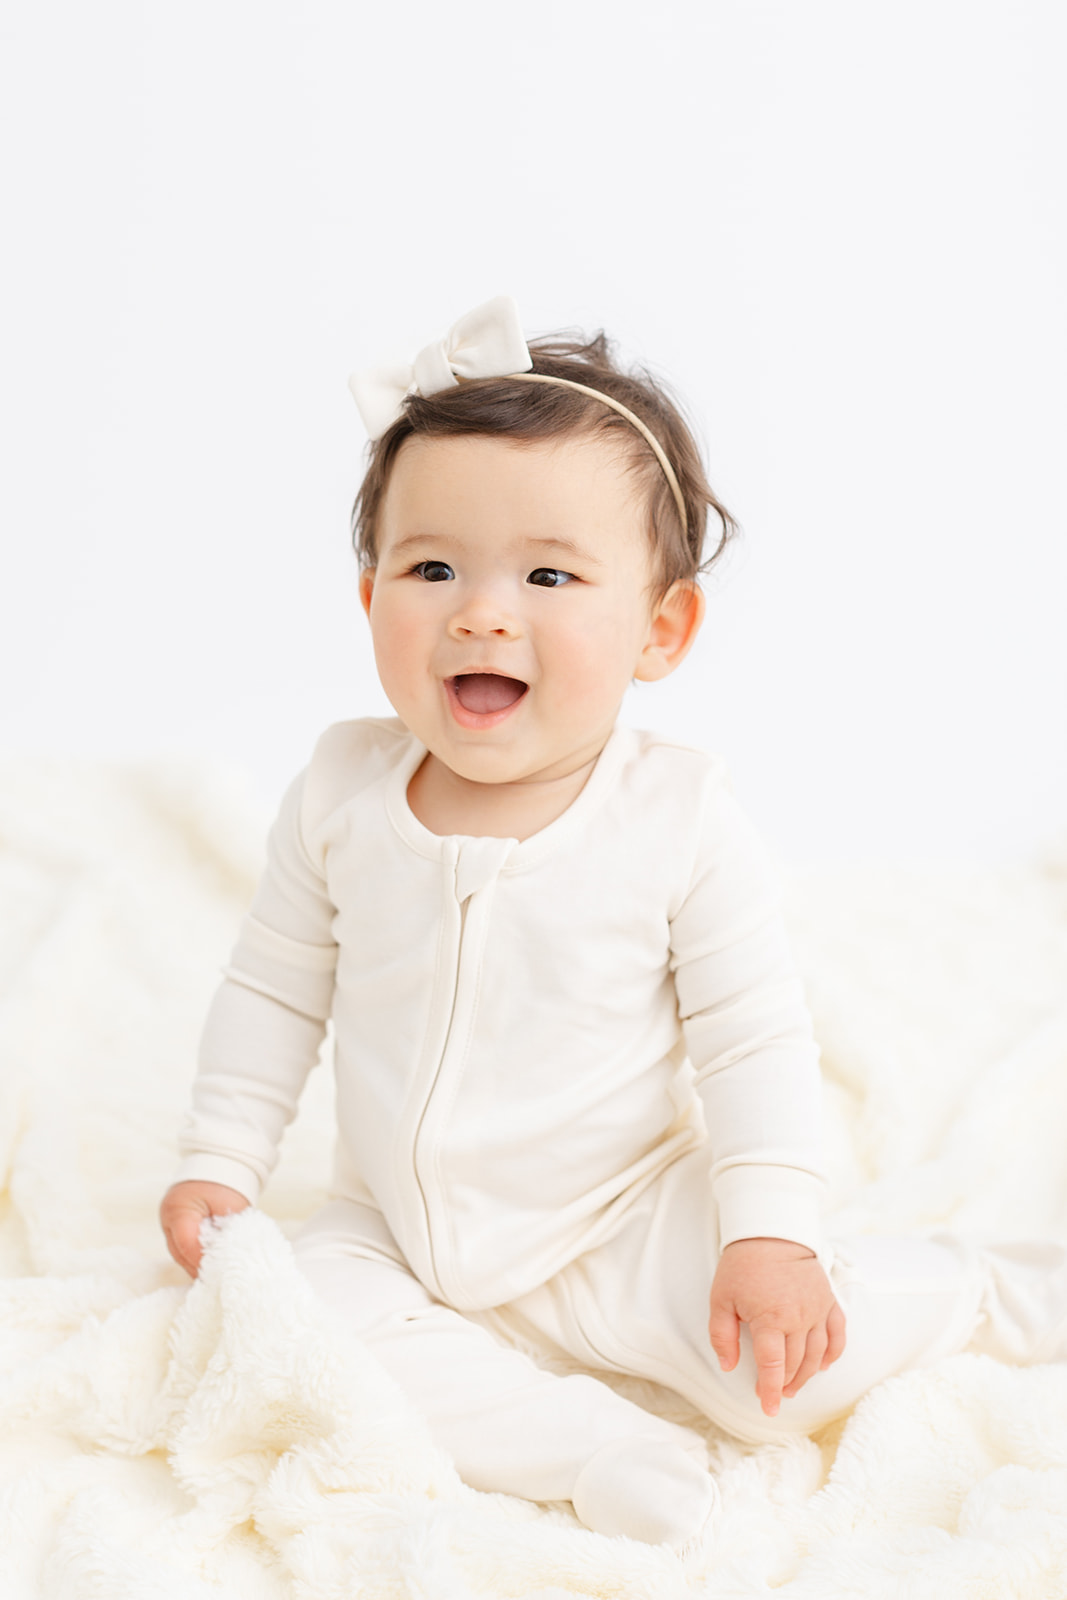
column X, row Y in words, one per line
column 624, row 411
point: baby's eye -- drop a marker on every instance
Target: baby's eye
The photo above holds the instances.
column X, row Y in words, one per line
column 434, row 571
column 550, row 577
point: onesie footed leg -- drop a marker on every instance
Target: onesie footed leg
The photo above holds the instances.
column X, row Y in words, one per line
column 648, row 1490
column 510, row 1426
column 1023, row 1313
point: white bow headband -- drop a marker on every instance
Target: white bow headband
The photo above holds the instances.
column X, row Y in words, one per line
column 486, row 343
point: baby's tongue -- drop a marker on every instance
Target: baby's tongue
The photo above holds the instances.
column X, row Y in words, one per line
column 485, row 691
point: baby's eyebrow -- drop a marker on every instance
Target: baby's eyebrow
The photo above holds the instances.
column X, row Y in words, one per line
column 567, row 546
column 557, row 544
column 412, row 541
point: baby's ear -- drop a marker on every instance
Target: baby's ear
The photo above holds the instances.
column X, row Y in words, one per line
column 674, row 624
column 366, row 587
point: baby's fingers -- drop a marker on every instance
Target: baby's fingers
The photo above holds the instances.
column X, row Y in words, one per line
column 835, row 1335
column 724, row 1331
column 776, row 1354
column 183, row 1240
column 814, row 1350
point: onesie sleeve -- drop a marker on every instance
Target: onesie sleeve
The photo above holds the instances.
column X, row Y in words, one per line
column 267, row 1020
column 749, row 1037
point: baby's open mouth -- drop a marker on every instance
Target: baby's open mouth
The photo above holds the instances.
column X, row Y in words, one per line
column 486, row 691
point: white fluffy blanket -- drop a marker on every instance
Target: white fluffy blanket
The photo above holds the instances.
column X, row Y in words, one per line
column 162, row 1442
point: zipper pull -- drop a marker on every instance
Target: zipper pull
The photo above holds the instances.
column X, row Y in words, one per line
column 479, row 862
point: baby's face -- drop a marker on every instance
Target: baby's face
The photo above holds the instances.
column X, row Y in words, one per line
column 511, row 602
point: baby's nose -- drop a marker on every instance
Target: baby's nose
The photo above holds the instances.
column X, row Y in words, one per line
column 484, row 611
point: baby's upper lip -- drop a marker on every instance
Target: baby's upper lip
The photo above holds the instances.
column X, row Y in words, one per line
column 492, row 672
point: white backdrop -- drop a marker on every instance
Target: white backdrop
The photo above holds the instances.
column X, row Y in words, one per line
column 840, row 230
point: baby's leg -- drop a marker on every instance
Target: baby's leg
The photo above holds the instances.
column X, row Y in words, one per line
column 640, row 1303
column 509, row 1426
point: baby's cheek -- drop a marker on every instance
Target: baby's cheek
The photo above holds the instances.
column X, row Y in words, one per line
column 591, row 680
column 397, row 642
column 608, row 652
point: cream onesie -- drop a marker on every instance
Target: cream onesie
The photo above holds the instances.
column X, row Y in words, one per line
column 569, row 1071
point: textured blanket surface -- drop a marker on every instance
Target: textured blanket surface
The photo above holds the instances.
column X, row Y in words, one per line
column 164, row 1442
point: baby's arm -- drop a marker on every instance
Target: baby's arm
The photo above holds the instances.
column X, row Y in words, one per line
column 260, row 1040
column 749, row 1037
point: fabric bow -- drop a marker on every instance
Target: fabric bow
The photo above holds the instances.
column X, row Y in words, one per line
column 486, row 343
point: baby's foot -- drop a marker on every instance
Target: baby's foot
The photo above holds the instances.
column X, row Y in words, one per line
column 1024, row 1307
column 648, row 1490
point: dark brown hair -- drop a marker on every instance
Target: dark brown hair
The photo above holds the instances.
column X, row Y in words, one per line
column 512, row 409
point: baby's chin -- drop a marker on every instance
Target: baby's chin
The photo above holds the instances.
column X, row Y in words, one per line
column 483, row 768
column 505, row 768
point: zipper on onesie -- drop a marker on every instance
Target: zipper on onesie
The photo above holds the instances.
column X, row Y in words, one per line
column 472, row 868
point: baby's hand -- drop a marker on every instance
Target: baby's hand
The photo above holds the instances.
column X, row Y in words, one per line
column 783, row 1294
column 183, row 1209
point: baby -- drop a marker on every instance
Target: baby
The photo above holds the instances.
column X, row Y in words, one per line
column 577, row 1089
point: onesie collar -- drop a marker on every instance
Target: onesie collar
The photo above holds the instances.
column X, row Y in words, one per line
column 524, row 853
